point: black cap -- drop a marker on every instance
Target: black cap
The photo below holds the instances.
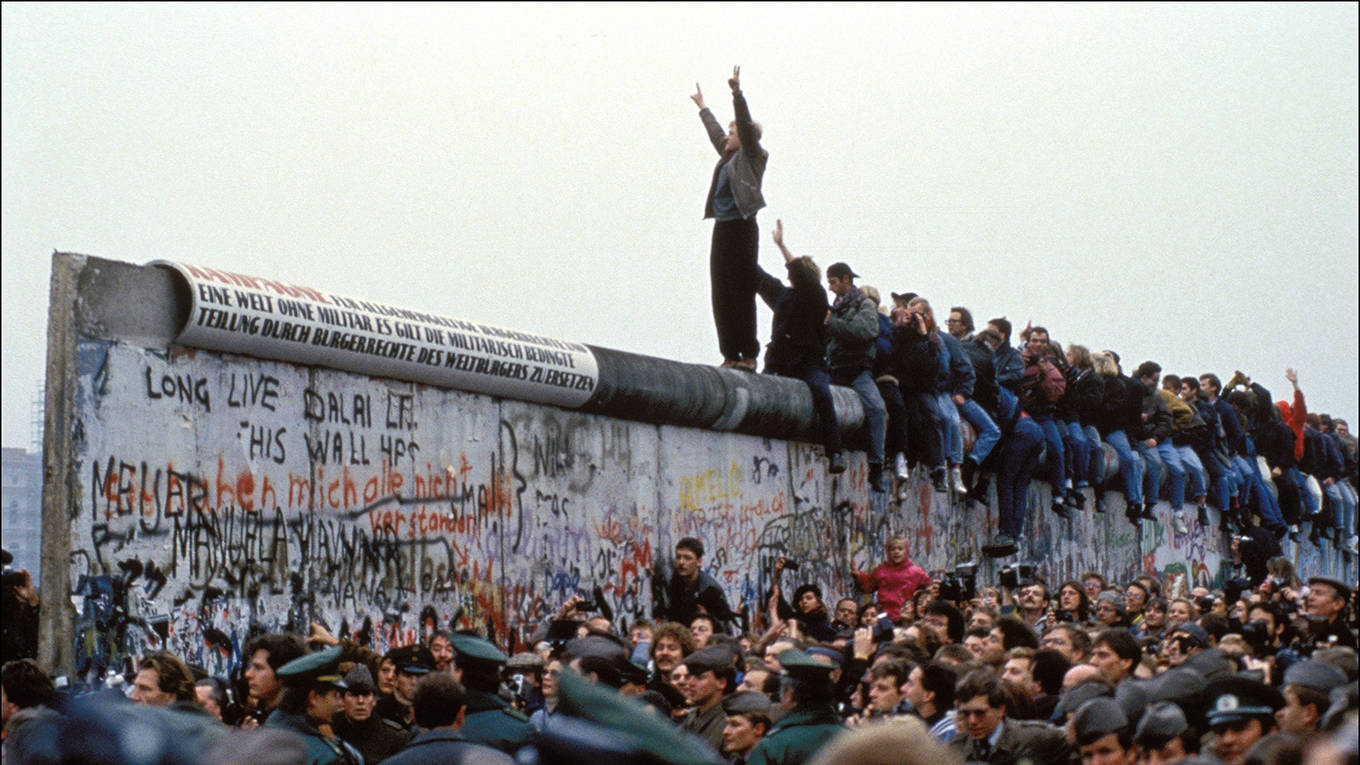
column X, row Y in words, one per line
column 1211, row 663
column 1343, row 590
column 837, row 658
column 1081, row 693
column 413, row 659
column 1317, row 675
column 711, row 659
column 841, row 270
column 359, row 681
column 1195, row 631
column 313, row 669
column 1098, row 717
column 747, row 703
column 1236, row 697
column 1161, row 722
column 1179, row 685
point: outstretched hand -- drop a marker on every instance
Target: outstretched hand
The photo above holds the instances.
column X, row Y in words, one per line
column 779, row 232
column 1292, row 376
column 698, row 96
column 735, row 81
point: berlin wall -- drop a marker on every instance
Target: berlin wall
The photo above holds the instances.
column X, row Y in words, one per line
column 206, row 482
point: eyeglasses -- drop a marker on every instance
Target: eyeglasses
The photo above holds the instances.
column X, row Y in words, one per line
column 553, row 673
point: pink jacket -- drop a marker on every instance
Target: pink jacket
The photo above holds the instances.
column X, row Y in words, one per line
column 895, row 584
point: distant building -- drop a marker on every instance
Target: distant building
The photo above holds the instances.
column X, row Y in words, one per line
column 22, row 501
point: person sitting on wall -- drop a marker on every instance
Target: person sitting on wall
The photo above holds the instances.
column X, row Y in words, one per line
column 798, row 339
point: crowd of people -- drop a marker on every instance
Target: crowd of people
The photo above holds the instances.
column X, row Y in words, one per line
column 907, row 668
column 1033, row 407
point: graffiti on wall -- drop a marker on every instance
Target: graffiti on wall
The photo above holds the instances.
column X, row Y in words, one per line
column 221, row 496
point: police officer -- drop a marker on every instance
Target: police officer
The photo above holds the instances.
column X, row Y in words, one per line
column 375, row 737
column 439, row 710
column 810, row 721
column 412, row 663
column 1241, row 712
column 1327, row 599
column 311, row 698
column 489, row 719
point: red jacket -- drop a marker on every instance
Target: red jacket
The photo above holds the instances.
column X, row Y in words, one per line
column 895, row 584
column 1294, row 417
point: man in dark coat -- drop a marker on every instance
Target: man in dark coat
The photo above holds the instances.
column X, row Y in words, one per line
column 311, row 697
column 691, row 591
column 798, row 339
column 987, row 735
column 489, row 719
column 440, row 712
column 376, row 738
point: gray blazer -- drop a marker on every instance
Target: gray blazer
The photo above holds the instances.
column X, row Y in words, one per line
column 748, row 162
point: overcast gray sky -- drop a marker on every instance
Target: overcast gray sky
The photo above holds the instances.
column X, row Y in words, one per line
column 1175, row 182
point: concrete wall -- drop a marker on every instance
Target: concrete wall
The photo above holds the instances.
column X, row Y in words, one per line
column 207, row 495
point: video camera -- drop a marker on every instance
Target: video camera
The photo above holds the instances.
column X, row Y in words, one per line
column 961, row 584
column 1233, row 589
column 1017, row 575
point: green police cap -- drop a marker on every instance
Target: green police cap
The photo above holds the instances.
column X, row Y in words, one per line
column 800, row 665
column 316, row 668
column 475, row 649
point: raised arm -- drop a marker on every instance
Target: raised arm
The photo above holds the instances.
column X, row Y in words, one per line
column 716, row 135
column 745, row 125
column 779, row 240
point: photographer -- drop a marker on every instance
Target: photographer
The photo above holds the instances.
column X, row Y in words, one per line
column 19, row 629
column 809, row 610
column 1253, row 548
column 1327, row 600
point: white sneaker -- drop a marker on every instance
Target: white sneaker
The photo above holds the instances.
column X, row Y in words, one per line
column 900, row 467
column 1178, row 522
column 1354, row 544
column 956, row 480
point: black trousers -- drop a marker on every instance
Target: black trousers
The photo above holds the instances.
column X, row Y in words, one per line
column 732, row 277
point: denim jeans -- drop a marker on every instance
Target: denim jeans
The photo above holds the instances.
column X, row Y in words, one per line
column 1310, row 502
column 1222, row 479
column 1020, row 456
column 1131, row 466
column 953, row 427
column 1053, row 445
column 1078, row 451
column 1095, row 457
column 1171, row 459
column 988, row 434
column 1343, row 499
column 927, row 428
column 875, row 413
column 1266, row 504
column 1194, row 469
column 1155, row 473
column 939, row 423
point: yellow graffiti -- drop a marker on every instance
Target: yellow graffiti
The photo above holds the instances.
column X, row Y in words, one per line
column 709, row 487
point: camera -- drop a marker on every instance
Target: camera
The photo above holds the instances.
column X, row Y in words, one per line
column 1233, row 588
column 1257, row 634
column 961, row 584
column 1017, row 575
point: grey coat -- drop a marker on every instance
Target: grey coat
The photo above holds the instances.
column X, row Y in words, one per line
column 748, row 162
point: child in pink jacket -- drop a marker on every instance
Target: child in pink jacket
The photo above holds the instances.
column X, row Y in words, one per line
column 895, row 579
